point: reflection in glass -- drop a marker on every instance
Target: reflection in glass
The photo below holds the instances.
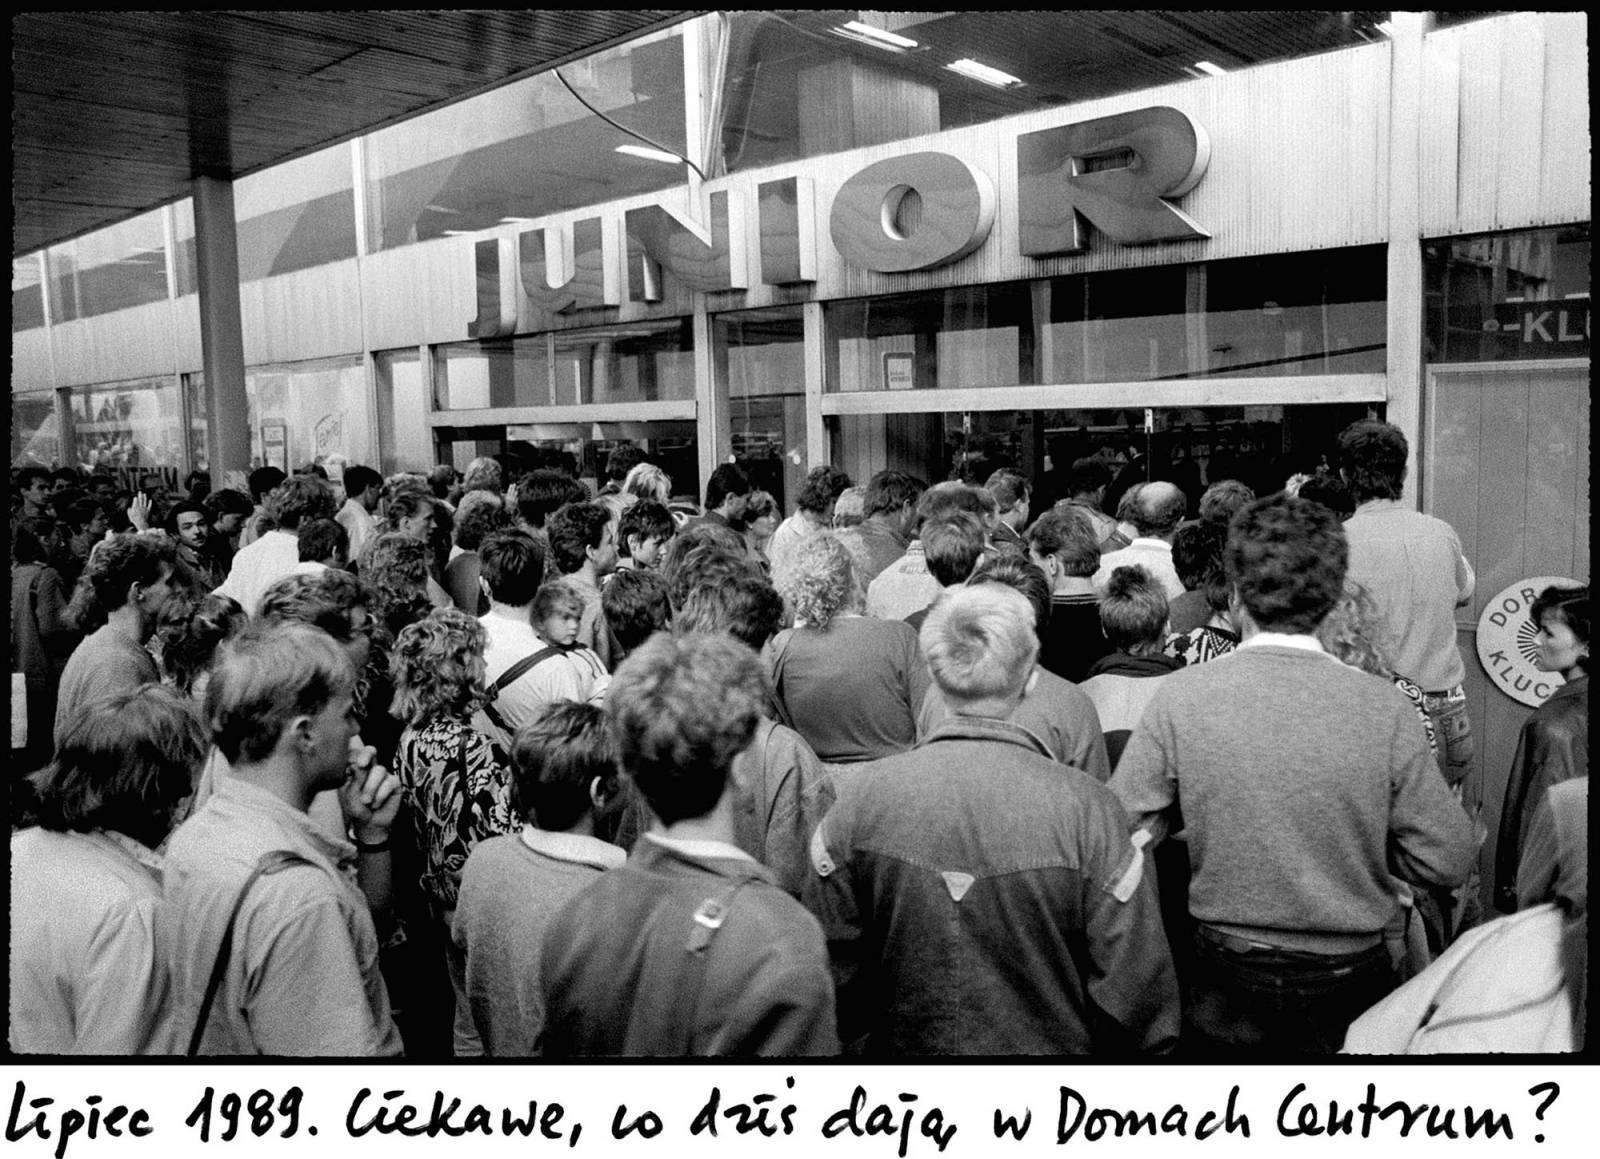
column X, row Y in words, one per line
column 293, row 216
column 27, row 295
column 1479, row 293
column 111, row 269
column 1192, row 447
column 128, row 424
column 639, row 362
column 1295, row 314
column 530, row 149
column 760, row 357
column 35, row 441
column 299, row 413
column 801, row 84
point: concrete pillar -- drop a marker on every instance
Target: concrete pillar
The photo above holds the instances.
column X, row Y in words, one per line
column 221, row 332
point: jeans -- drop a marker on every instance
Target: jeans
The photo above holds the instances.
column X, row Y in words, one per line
column 1245, row 1000
column 1448, row 711
column 1449, row 912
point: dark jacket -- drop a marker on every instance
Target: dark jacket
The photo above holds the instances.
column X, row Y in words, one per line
column 620, row 974
column 1553, row 747
column 979, row 898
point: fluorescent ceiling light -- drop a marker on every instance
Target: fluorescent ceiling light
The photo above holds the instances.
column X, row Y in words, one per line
column 1385, row 27
column 442, row 209
column 1210, row 69
column 982, row 72
column 650, row 154
column 877, row 37
column 458, row 232
column 515, row 220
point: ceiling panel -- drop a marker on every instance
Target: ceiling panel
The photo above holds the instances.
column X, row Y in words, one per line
column 114, row 113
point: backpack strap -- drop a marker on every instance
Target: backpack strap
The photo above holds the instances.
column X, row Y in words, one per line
column 270, row 862
column 509, row 677
column 708, row 919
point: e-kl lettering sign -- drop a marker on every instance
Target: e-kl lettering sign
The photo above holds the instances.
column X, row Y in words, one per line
column 1114, row 173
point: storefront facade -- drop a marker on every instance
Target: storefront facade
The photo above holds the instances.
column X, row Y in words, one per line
column 865, row 265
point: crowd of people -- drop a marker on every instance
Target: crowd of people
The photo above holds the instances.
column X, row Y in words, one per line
column 466, row 764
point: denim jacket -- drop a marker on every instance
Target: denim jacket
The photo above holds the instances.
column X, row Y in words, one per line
column 979, row 898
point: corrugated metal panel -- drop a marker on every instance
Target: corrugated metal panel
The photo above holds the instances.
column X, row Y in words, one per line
column 1505, row 125
column 133, row 343
column 1564, row 162
column 30, row 361
column 306, row 314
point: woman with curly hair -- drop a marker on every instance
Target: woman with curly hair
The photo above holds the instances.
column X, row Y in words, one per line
column 394, row 569
column 849, row 684
column 457, row 787
column 410, row 509
column 1350, row 633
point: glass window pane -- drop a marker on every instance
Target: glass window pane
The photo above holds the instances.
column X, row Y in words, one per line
column 1192, row 447
column 802, row 84
column 133, row 425
column 1508, row 296
column 531, row 148
column 403, row 440
column 27, row 295
column 35, row 440
column 298, row 413
column 502, row 372
column 293, row 216
column 963, row 337
column 112, row 269
column 1318, row 313
column 639, row 362
column 760, row 355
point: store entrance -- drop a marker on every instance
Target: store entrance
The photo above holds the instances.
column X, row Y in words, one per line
column 1262, row 446
column 581, row 449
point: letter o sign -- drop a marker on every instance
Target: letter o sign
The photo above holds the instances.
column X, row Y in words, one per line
column 957, row 203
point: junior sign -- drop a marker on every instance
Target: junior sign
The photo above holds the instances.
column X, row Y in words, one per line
column 1113, row 173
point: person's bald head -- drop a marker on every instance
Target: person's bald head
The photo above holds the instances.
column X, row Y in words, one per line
column 1159, row 509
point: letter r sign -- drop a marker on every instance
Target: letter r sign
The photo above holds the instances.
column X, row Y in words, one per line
column 1111, row 172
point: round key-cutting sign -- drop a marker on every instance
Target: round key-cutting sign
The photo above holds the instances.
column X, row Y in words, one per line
column 1507, row 641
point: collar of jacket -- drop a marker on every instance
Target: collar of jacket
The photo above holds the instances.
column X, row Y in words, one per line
column 653, row 854
column 1578, row 687
column 1122, row 664
column 955, row 727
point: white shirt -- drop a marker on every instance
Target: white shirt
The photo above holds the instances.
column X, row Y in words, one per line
column 510, row 638
column 1154, row 555
column 359, row 523
column 260, row 565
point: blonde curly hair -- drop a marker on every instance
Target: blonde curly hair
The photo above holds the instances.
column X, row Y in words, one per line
column 820, row 581
column 437, row 668
column 1350, row 631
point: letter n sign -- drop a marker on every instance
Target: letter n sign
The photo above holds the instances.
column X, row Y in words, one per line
column 702, row 258
column 1112, row 173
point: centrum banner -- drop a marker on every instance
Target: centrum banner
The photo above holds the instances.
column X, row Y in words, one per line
column 838, row 1108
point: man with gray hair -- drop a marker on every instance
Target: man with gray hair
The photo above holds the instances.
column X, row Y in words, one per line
column 979, row 897
column 1157, row 511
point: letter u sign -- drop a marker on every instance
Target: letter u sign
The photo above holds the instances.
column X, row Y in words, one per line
column 869, row 228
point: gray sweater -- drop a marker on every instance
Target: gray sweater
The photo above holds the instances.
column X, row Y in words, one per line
column 1305, row 787
column 508, row 894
